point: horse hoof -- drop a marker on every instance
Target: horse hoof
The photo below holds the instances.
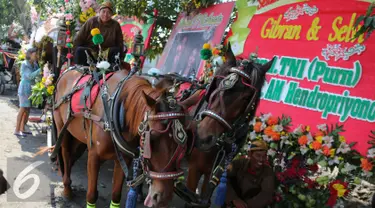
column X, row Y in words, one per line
column 68, row 194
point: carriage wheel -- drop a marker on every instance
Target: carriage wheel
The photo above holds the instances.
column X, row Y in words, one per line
column 51, row 140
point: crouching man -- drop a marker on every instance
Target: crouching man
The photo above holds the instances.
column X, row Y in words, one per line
column 251, row 181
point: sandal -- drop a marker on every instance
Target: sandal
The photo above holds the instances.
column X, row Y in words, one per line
column 27, row 132
column 19, row 134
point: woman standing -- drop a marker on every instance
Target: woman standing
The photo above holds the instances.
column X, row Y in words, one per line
column 29, row 70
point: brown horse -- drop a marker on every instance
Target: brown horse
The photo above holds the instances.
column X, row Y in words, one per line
column 138, row 98
column 230, row 103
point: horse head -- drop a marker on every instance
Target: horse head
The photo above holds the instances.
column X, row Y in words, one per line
column 163, row 145
column 232, row 97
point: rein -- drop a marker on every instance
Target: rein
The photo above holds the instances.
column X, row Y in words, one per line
column 228, row 83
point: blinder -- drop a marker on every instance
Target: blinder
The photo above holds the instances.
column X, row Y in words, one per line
column 178, row 133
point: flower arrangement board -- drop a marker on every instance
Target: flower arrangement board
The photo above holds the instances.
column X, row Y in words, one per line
column 182, row 52
column 130, row 27
column 322, row 73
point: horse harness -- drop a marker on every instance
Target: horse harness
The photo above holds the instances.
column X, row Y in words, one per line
column 111, row 124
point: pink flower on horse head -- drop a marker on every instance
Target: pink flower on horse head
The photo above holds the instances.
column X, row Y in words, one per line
column 46, row 72
column 66, row 1
column 69, row 16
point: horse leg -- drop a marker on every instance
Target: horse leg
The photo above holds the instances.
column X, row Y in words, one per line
column 66, row 151
column 118, row 180
column 93, row 166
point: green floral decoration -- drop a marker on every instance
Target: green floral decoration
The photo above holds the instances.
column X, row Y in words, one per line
column 206, row 54
column 98, row 39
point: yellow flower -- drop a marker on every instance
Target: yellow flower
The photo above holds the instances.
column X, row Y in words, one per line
column 332, row 152
column 206, row 46
column 50, row 89
column 95, row 31
column 282, row 133
column 340, row 189
column 307, row 128
column 341, row 158
column 44, row 80
column 342, row 139
column 67, row 22
column 319, row 139
column 82, row 18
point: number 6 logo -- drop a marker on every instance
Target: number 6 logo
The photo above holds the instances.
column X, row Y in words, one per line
column 23, row 177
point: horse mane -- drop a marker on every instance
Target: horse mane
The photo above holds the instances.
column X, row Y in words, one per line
column 135, row 104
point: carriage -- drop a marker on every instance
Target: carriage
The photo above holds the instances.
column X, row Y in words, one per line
column 8, row 73
column 163, row 118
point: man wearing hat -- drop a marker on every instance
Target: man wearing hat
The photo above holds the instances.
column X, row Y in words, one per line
column 109, row 28
column 251, row 181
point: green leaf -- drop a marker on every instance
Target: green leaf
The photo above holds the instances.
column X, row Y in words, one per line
column 368, row 21
column 360, row 32
column 352, row 144
column 369, row 9
column 358, row 21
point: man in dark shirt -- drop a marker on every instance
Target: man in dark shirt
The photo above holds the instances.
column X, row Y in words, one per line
column 109, row 28
column 251, row 181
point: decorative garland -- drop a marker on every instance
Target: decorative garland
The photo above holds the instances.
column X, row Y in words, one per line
column 213, row 58
column 68, row 18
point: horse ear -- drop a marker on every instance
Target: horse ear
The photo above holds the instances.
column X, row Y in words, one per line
column 229, row 55
column 149, row 100
column 268, row 65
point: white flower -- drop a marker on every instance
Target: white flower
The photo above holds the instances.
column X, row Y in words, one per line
column 277, row 128
column 271, row 152
column 328, row 139
column 348, row 168
column 371, row 153
column 322, row 127
column 282, row 164
column 253, row 135
column 267, row 138
column 319, row 152
column 298, row 130
column 304, row 149
column 343, row 148
column 333, row 161
column 252, row 122
column 103, row 65
column 218, row 60
column 265, row 117
column 366, row 174
column 309, row 138
column 263, row 126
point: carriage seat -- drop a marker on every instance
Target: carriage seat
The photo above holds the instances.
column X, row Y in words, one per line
column 88, row 94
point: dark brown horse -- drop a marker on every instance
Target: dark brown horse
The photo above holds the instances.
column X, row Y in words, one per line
column 137, row 97
column 229, row 104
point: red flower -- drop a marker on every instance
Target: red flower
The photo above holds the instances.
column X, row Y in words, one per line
column 337, row 189
column 313, row 168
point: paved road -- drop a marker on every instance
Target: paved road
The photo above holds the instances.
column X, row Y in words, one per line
column 16, row 153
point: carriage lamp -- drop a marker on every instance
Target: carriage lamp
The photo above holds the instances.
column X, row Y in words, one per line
column 138, row 45
column 138, row 51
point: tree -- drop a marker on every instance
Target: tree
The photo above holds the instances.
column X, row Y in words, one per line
column 15, row 11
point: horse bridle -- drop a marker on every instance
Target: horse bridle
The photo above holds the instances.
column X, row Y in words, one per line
column 227, row 83
column 179, row 135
